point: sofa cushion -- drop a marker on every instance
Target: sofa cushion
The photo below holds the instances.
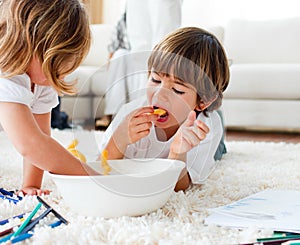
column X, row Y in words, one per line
column 265, row 81
column 99, row 81
column 262, row 114
column 83, row 75
column 98, row 106
column 98, row 54
column 273, row 41
column 77, row 108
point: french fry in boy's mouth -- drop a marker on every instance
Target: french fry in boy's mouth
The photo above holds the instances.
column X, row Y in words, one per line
column 104, row 163
column 72, row 149
column 159, row 112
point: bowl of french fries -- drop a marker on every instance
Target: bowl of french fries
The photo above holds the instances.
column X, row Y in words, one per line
column 127, row 187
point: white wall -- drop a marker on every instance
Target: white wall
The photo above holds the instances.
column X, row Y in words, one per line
column 112, row 10
column 217, row 12
column 207, row 13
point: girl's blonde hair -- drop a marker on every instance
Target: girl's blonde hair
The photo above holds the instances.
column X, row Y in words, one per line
column 55, row 31
column 195, row 56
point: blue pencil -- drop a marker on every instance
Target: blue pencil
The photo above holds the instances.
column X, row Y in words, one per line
column 55, row 224
column 25, row 236
column 5, row 221
column 6, row 238
column 10, row 194
column 9, row 198
column 21, row 237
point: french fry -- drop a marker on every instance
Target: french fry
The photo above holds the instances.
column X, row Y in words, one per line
column 73, row 144
column 159, row 112
column 72, row 149
column 77, row 154
column 104, row 163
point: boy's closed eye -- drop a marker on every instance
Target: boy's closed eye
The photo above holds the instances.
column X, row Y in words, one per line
column 176, row 90
column 155, row 80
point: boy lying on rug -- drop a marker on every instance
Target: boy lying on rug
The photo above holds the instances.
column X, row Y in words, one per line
column 40, row 43
column 188, row 72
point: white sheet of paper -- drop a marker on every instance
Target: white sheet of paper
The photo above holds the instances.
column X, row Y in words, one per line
column 275, row 209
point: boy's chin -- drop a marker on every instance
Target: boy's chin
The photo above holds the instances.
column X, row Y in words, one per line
column 167, row 124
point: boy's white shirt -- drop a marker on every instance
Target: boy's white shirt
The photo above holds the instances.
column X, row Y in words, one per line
column 18, row 89
column 200, row 160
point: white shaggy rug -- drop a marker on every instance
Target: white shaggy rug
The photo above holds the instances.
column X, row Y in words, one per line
column 247, row 168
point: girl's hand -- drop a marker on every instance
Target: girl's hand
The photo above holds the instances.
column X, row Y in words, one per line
column 189, row 135
column 33, row 191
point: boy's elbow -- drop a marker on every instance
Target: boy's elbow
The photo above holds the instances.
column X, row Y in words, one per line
column 183, row 183
column 179, row 187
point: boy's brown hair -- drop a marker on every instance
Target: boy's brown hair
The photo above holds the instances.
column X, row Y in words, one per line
column 55, row 31
column 195, row 56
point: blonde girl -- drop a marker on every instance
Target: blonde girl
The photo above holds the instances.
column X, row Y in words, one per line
column 40, row 43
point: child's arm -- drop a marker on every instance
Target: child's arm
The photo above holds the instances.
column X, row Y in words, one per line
column 32, row 175
column 189, row 135
column 32, row 179
column 36, row 146
column 134, row 127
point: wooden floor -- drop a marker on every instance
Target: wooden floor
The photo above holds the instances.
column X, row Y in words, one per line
column 234, row 135
column 243, row 135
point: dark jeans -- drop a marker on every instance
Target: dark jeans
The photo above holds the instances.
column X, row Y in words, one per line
column 221, row 150
column 59, row 119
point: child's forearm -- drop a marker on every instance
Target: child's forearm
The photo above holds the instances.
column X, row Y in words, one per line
column 115, row 151
column 177, row 156
column 52, row 157
column 32, row 176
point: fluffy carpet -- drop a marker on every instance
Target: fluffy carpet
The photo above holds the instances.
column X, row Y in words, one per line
column 247, row 168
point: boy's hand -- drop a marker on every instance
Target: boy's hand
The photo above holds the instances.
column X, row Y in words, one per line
column 134, row 127
column 189, row 135
column 33, row 191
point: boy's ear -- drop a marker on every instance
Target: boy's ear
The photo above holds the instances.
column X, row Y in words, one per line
column 203, row 105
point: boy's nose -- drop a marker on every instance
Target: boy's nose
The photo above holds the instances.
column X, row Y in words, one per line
column 162, row 98
column 162, row 93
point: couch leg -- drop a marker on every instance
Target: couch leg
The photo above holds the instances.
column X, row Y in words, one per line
column 103, row 122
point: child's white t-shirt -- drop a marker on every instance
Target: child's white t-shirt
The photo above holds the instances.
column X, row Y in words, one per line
column 200, row 160
column 18, row 89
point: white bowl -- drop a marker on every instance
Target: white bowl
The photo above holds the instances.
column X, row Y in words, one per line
column 134, row 187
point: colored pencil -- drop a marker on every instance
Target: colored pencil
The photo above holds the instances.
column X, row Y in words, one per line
column 5, row 221
column 20, row 229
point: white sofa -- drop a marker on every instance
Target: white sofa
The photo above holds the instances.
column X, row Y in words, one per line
column 264, row 88
column 91, row 78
